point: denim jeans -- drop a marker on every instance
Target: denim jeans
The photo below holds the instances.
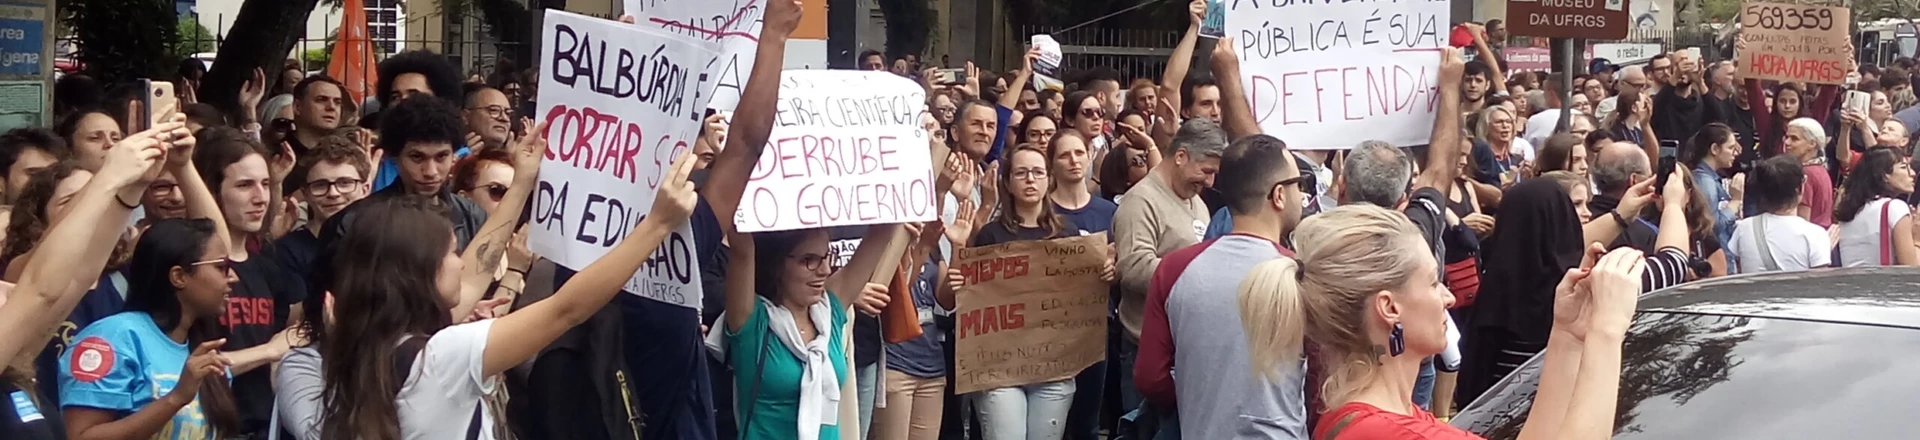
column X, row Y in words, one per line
column 1083, row 422
column 1027, row 412
column 1423, row 388
column 869, row 379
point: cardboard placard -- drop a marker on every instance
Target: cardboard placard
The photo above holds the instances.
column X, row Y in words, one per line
column 847, row 149
column 1788, row 42
column 1328, row 75
column 1030, row 312
column 622, row 103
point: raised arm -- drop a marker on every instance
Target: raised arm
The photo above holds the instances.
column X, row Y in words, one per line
column 1011, row 99
column 1444, row 147
column 753, row 117
column 53, row 283
column 489, row 246
column 1486, row 55
column 519, row 335
column 1674, row 232
column 1235, row 112
column 1182, row 58
column 1606, row 226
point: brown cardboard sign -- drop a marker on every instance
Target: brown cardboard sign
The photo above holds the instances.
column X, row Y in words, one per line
column 1590, row 19
column 1786, row 42
column 1029, row 312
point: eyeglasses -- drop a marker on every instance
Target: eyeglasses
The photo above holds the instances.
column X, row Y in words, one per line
column 343, row 185
column 162, row 189
column 223, row 263
column 494, row 191
column 1288, row 182
column 813, row 262
column 493, row 111
column 1041, row 135
column 1027, row 174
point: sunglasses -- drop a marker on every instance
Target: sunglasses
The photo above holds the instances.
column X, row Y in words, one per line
column 1092, row 112
column 223, row 263
column 281, row 124
column 494, row 191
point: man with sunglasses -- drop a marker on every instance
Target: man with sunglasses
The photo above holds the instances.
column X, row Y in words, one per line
column 1192, row 316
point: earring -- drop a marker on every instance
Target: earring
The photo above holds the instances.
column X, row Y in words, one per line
column 1397, row 341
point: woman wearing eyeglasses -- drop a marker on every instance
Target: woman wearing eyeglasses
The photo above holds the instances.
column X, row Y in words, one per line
column 1031, row 411
column 154, row 370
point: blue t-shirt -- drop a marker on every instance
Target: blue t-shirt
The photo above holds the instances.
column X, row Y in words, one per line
column 390, row 169
column 107, row 298
column 124, row 363
column 1097, row 216
column 923, row 357
column 1222, row 224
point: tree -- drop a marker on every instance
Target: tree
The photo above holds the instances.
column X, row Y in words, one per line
column 908, row 23
column 192, row 38
column 123, row 40
column 262, row 34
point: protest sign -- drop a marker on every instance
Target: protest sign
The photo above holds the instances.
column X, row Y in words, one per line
column 1794, row 43
column 621, row 104
column 1046, row 69
column 1328, row 75
column 1214, row 24
column 731, row 28
column 846, row 149
column 1029, row 312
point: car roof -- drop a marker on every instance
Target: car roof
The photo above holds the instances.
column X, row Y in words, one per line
column 1887, row 296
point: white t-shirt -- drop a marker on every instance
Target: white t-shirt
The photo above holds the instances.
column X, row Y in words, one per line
column 1540, row 126
column 447, row 382
column 1521, row 147
column 1860, row 239
column 1794, row 242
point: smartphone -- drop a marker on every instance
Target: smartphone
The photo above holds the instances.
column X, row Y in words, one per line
column 157, row 102
column 1858, row 101
column 949, row 76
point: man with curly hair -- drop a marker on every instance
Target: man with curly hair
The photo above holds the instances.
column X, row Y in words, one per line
column 421, row 136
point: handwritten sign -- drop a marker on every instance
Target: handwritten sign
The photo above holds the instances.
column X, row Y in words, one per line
column 1328, row 75
column 1029, row 312
column 730, row 28
column 1794, row 43
column 846, row 149
column 621, row 103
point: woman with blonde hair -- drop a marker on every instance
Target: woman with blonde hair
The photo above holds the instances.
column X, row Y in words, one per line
column 1364, row 287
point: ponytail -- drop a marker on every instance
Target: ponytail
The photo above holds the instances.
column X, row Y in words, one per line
column 1272, row 315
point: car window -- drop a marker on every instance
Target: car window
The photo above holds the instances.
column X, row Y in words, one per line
column 1691, row 376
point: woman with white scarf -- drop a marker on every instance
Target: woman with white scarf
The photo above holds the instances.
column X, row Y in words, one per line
column 787, row 314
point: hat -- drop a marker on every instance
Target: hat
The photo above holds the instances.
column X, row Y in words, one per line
column 1601, row 64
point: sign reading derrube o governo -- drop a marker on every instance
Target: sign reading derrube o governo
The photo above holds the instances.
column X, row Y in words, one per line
column 1591, row 19
column 1794, row 43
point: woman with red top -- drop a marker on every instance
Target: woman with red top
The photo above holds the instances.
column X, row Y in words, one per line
column 1364, row 285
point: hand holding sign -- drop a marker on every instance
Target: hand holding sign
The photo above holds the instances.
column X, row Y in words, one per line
column 1224, row 59
column 675, row 199
column 1453, row 66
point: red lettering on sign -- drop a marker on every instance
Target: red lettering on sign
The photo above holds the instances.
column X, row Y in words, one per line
column 1816, row 71
column 998, row 268
column 589, row 139
column 993, row 319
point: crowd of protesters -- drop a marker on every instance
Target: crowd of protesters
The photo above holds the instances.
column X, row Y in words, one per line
column 312, row 267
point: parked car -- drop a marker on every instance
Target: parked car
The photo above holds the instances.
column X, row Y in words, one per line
column 1825, row 354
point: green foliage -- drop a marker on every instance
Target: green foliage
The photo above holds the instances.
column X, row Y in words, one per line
column 122, row 40
column 192, row 38
column 317, row 59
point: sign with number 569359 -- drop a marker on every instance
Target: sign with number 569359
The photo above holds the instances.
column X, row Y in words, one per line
column 1787, row 42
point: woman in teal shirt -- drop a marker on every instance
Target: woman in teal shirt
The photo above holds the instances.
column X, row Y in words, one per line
column 786, row 320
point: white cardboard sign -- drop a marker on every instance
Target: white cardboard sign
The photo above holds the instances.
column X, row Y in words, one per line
column 622, row 102
column 846, row 150
column 1328, row 75
column 730, row 28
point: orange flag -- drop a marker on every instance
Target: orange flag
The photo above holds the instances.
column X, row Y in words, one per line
column 352, row 60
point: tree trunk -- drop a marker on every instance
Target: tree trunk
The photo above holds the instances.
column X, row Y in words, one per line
column 261, row 35
column 512, row 28
column 906, row 27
